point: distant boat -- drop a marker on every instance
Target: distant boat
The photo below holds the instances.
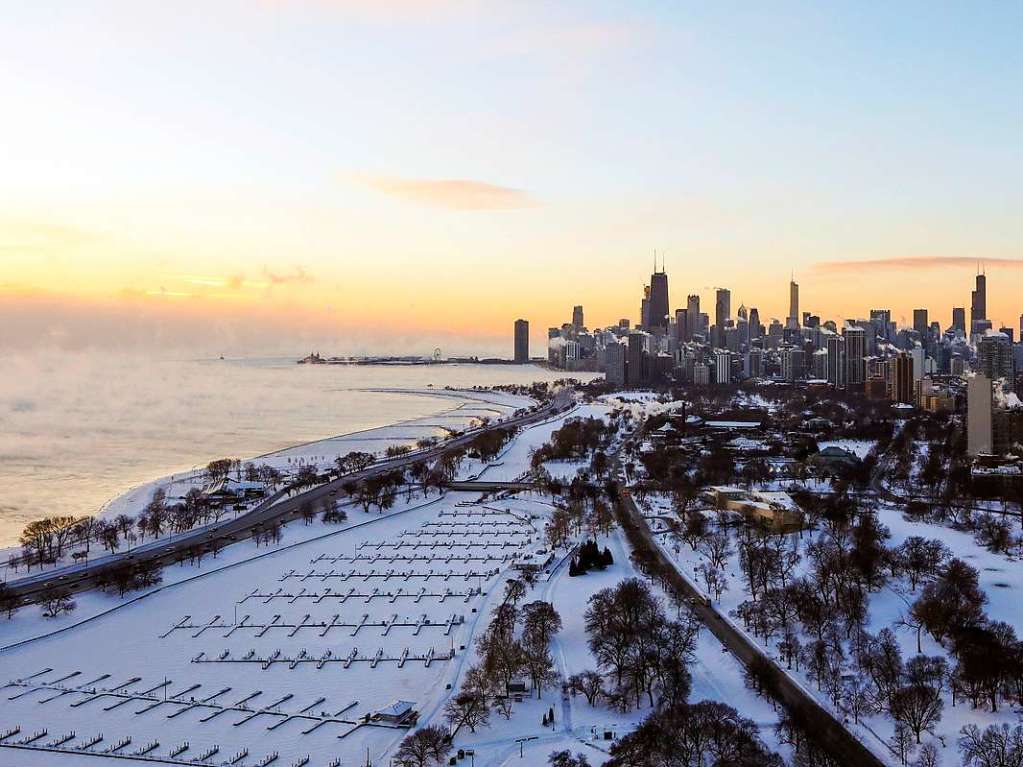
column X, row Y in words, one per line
column 313, row 359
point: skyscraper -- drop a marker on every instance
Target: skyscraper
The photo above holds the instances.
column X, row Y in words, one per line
column 681, row 325
column 837, row 367
column 994, row 357
column 902, row 379
column 614, row 364
column 634, row 366
column 722, row 313
column 793, row 319
column 979, row 405
column 792, row 364
column 521, row 341
column 882, row 320
column 920, row 323
column 644, row 308
column 692, row 316
column 959, row 319
column 658, row 306
column 723, row 368
column 855, row 352
column 577, row 318
column 755, row 328
column 978, row 302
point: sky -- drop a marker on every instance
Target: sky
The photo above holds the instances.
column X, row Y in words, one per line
column 266, row 176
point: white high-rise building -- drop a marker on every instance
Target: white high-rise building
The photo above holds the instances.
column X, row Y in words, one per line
column 979, row 433
column 919, row 358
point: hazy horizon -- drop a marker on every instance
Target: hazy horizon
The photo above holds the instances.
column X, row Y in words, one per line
column 395, row 176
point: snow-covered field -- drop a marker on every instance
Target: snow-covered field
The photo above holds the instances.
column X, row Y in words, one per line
column 323, row 633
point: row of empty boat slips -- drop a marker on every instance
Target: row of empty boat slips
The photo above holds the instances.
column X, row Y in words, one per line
column 296, row 653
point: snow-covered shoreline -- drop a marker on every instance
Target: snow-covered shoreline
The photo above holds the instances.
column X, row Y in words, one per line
column 471, row 405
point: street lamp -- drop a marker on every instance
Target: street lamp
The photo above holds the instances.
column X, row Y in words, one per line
column 521, row 741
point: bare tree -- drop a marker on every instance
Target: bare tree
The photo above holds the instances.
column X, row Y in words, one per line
column 589, row 683
column 918, row 707
column 425, row 747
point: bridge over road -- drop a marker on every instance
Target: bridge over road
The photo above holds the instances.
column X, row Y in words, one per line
column 484, row 486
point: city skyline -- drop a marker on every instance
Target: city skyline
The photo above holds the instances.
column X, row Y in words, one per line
column 254, row 177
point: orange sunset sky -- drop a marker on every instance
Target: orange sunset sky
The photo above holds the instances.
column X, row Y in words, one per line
column 239, row 177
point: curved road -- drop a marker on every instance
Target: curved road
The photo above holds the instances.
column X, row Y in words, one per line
column 280, row 506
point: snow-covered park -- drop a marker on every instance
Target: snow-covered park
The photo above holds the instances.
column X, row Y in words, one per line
column 318, row 646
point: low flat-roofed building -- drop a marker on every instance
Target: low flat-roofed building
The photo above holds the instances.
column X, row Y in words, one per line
column 775, row 509
column 400, row 712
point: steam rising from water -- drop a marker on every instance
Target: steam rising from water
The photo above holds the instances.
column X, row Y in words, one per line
column 77, row 429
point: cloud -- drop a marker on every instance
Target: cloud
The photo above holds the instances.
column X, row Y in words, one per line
column 298, row 275
column 915, row 263
column 453, row 194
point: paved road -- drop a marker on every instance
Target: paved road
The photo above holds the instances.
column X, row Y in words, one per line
column 281, row 506
column 823, row 727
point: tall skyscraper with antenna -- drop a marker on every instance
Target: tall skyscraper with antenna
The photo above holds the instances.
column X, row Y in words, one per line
column 658, row 306
column 978, row 301
column 793, row 318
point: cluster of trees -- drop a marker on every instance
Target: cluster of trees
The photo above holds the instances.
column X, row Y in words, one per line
column 380, row 490
column 45, row 540
column 996, row 746
column 988, row 655
column 574, row 441
column 693, row 735
column 131, row 576
column 487, row 445
column 354, row 461
column 590, row 557
column 222, row 468
column 331, row 512
column 994, row 531
column 160, row 517
column 516, row 642
column 643, row 657
column 572, row 519
column 640, row 651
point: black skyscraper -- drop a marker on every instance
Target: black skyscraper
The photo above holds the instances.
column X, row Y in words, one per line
column 978, row 302
column 658, row 307
column 521, row 341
